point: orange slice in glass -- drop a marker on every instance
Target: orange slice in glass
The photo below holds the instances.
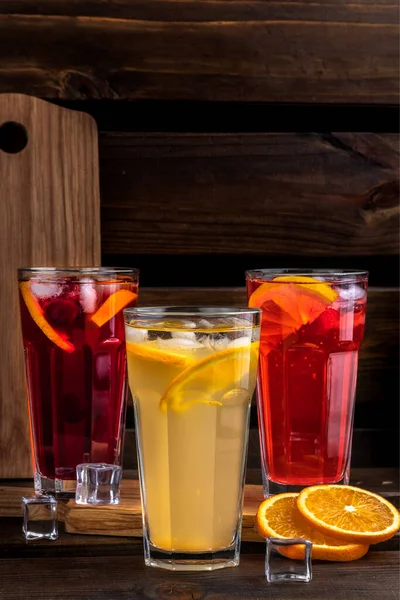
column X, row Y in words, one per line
column 288, row 303
column 37, row 314
column 114, row 303
column 349, row 513
column 166, row 357
column 278, row 516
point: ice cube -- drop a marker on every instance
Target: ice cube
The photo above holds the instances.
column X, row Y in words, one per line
column 204, row 324
column 240, row 342
column 280, row 568
column 178, row 342
column 189, row 335
column 39, row 517
column 45, row 290
column 351, row 292
column 88, row 295
column 135, row 335
column 216, row 341
column 98, row 483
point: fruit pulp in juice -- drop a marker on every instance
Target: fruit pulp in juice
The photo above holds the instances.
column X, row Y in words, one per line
column 74, row 344
column 310, row 338
column 192, row 391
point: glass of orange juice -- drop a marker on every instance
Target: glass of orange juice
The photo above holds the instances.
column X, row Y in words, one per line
column 192, row 374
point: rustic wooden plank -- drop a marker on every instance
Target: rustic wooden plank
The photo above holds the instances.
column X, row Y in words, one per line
column 247, row 51
column 271, row 194
column 367, row 11
column 120, row 577
column 50, row 214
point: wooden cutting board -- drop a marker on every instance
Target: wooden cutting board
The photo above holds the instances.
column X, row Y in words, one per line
column 125, row 519
column 49, row 216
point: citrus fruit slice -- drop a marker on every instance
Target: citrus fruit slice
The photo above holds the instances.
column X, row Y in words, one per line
column 167, row 357
column 37, row 314
column 110, row 307
column 212, row 378
column 349, row 513
column 288, row 303
column 278, row 516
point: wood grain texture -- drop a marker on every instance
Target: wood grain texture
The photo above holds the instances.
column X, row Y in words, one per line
column 50, row 213
column 253, row 50
column 271, row 194
column 122, row 577
column 125, row 519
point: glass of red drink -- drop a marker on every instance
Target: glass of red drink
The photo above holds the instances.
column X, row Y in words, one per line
column 74, row 345
column 311, row 330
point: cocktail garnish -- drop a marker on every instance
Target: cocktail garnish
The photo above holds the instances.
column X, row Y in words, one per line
column 114, row 303
column 208, row 380
column 37, row 315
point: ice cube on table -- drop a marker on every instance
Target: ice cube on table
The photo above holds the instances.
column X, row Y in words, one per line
column 88, row 295
column 98, row 483
column 281, row 568
column 39, row 517
column 41, row 289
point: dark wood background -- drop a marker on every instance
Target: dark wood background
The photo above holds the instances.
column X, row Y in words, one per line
column 219, row 150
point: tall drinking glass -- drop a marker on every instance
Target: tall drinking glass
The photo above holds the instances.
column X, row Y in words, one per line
column 311, row 331
column 74, row 343
column 192, row 373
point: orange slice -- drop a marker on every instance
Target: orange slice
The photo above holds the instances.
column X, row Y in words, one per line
column 349, row 513
column 278, row 516
column 37, row 314
column 114, row 303
column 167, row 357
column 287, row 304
column 212, row 380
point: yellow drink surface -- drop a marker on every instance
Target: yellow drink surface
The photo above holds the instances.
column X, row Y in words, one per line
column 192, row 400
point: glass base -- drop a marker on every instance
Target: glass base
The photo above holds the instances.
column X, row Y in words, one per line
column 271, row 488
column 181, row 561
column 61, row 488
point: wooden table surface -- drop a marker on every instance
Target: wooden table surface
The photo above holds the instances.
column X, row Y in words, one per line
column 93, row 567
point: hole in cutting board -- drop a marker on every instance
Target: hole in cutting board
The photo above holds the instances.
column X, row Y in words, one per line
column 13, row 137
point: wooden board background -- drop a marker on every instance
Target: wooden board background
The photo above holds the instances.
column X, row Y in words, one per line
column 49, row 208
column 162, row 49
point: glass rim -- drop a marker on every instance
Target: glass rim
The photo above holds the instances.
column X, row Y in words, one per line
column 332, row 274
column 68, row 271
column 139, row 312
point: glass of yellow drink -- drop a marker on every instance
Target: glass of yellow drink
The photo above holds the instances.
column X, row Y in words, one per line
column 192, row 374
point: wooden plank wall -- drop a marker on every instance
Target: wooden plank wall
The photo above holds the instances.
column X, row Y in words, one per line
column 236, row 135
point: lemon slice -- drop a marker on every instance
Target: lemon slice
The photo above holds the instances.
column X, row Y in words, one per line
column 211, row 379
column 167, row 357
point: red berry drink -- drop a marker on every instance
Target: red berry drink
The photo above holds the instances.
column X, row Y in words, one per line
column 74, row 343
column 311, row 330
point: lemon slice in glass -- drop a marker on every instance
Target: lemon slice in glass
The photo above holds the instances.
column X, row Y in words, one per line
column 211, row 379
